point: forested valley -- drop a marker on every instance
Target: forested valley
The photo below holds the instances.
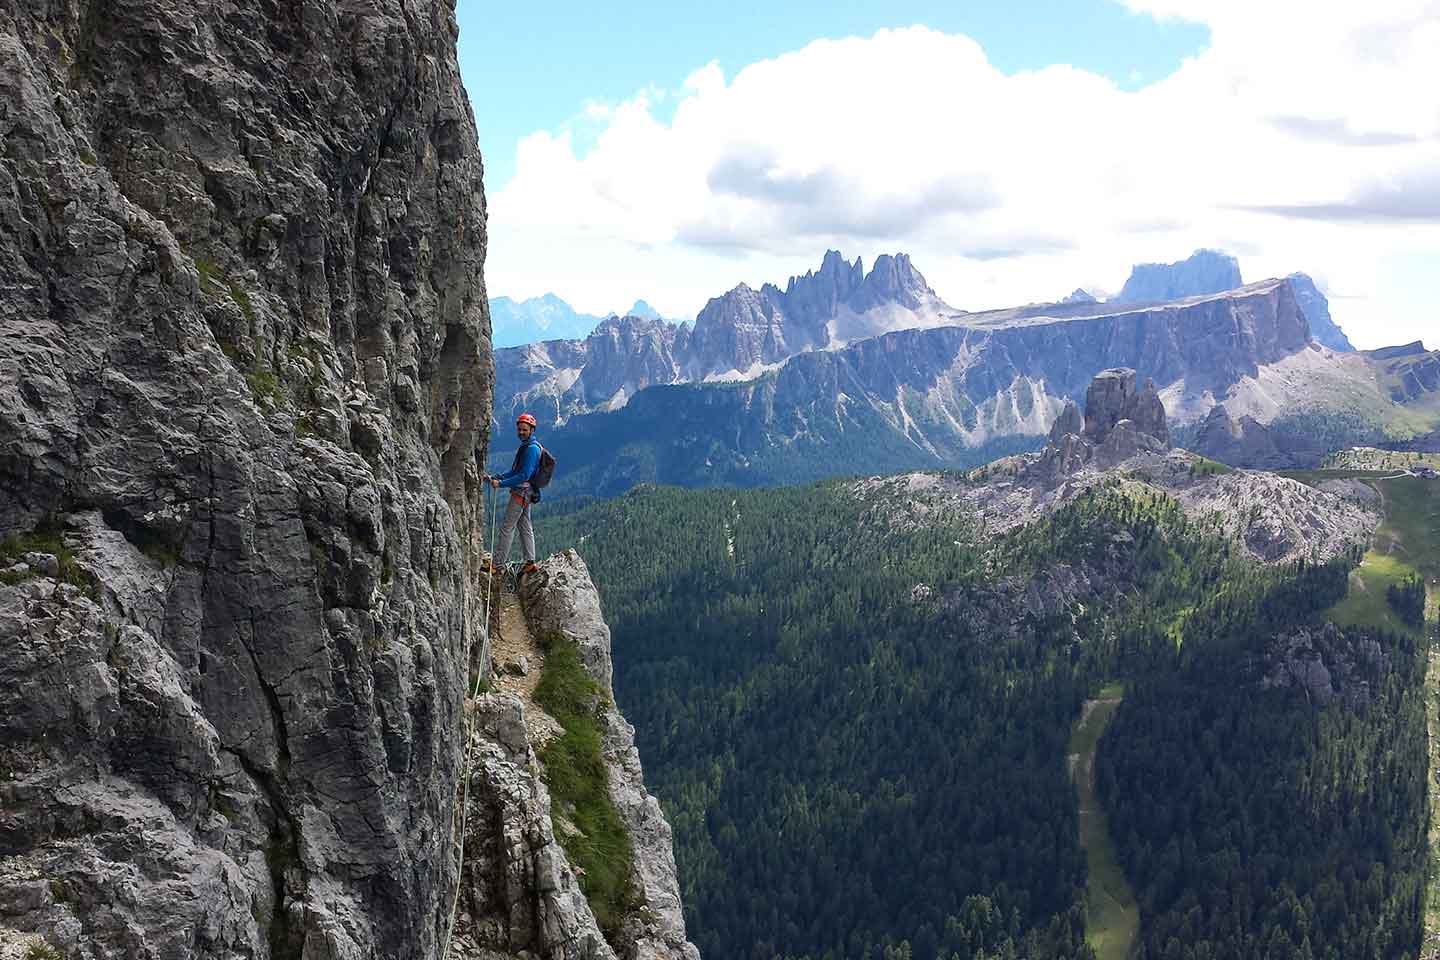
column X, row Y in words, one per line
column 857, row 720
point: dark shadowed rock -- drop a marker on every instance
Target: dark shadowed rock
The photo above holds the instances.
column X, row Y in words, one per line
column 1324, row 664
column 1120, row 423
column 1248, row 443
column 1069, row 421
column 1148, row 412
column 1317, row 312
column 1109, row 399
column 1203, row 272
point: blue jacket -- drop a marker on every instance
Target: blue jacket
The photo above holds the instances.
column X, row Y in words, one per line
column 527, row 458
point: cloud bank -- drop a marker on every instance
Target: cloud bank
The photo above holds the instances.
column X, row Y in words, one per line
column 1305, row 137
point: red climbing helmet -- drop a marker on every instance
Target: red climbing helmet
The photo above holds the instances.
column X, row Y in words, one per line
column 527, row 419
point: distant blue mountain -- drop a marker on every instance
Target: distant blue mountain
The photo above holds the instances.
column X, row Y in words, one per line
column 643, row 309
column 539, row 318
column 515, row 323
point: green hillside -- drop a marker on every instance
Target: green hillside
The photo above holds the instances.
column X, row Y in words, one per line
column 858, row 720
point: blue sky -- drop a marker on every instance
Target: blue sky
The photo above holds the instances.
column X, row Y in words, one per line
column 533, row 66
column 1016, row 150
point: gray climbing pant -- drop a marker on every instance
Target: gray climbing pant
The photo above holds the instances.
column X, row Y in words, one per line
column 516, row 513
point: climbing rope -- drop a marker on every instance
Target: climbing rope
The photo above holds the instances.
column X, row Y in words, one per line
column 470, row 741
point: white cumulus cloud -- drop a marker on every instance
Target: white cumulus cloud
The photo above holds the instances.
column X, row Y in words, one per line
column 1305, row 137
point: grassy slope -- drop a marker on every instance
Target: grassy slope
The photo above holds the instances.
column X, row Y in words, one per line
column 1112, row 917
column 1408, row 541
column 1412, row 531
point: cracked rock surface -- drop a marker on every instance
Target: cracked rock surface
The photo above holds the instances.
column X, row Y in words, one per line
column 245, row 376
column 521, row 895
column 561, row 598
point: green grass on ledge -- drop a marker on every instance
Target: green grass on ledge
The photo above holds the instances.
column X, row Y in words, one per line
column 579, row 786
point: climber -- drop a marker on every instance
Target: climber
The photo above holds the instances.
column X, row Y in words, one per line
column 517, row 481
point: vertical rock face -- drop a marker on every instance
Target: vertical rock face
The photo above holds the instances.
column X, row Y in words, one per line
column 244, row 378
column 1120, row 422
column 1317, row 312
column 562, row 599
column 1112, row 397
column 1204, row 271
column 625, row 355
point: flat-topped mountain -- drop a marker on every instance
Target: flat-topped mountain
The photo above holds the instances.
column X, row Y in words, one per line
column 1408, row 371
column 1204, row 271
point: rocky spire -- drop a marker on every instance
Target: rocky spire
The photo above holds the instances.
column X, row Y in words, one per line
column 1069, row 421
column 1113, row 398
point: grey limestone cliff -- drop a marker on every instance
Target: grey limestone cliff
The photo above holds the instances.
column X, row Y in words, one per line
column 245, row 383
column 243, row 379
column 561, row 599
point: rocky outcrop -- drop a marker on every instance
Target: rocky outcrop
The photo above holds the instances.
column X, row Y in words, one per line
column 1120, row 422
column 1317, row 312
column 1070, row 421
column 1324, row 665
column 1080, row 295
column 1273, row 519
column 519, row 894
column 244, row 382
column 561, row 599
column 1203, row 272
column 1113, row 397
column 1409, row 372
column 1248, row 443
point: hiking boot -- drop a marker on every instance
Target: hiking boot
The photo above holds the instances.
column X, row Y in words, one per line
column 489, row 569
column 530, row 567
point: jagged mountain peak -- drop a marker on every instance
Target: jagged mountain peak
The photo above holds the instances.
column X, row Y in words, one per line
column 893, row 279
column 643, row 309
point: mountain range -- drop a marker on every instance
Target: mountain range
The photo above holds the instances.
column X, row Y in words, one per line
column 843, row 371
column 517, row 322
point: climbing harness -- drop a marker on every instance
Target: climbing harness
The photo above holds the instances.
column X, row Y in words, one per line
column 470, row 743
